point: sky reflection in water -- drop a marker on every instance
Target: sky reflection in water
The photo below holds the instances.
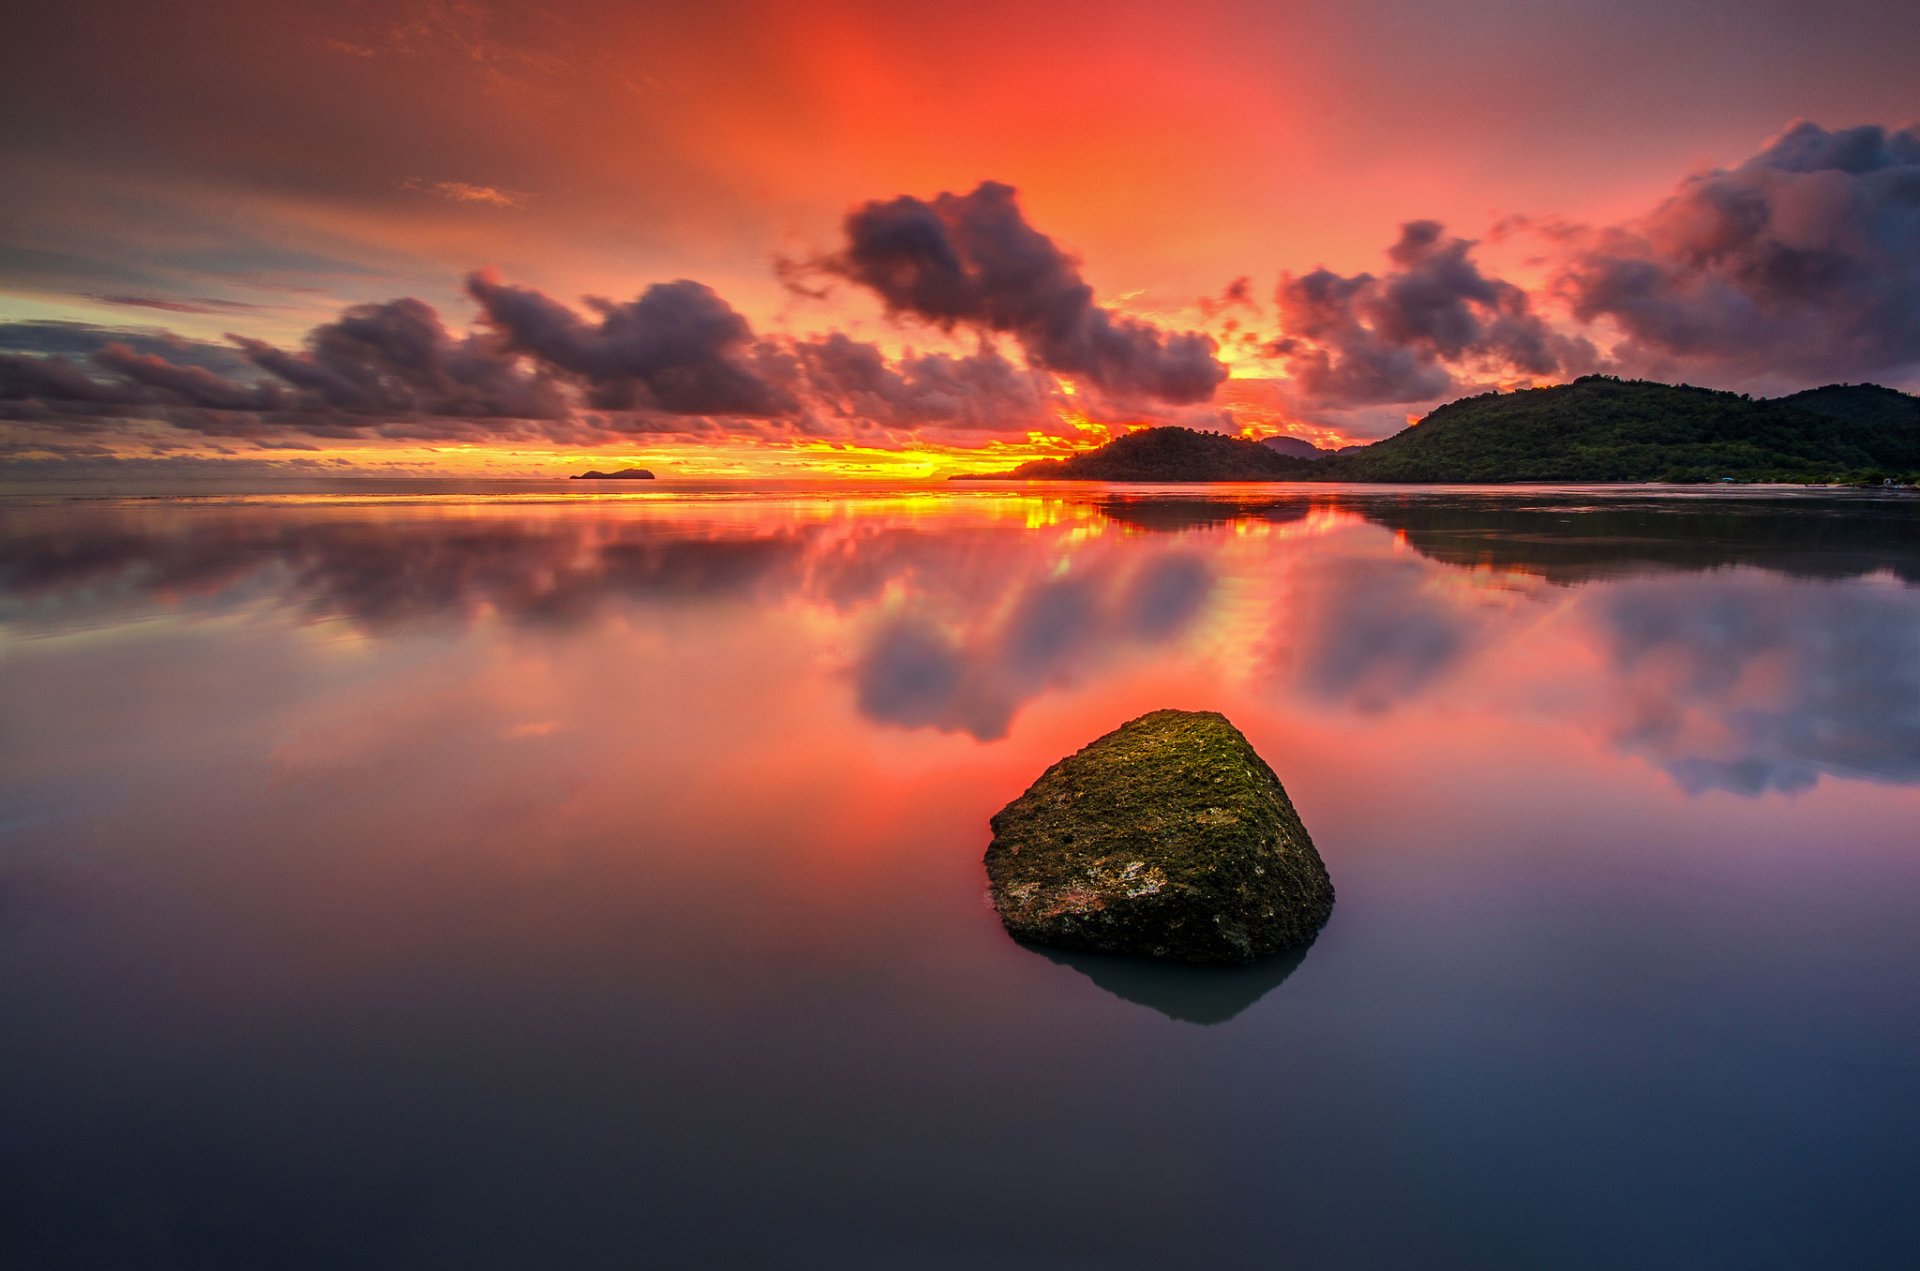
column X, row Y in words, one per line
column 450, row 883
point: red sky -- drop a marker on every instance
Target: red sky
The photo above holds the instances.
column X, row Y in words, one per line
column 213, row 168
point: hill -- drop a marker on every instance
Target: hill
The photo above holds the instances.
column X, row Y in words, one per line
column 1169, row 454
column 1601, row 429
column 1597, row 429
column 1860, row 404
column 1294, row 447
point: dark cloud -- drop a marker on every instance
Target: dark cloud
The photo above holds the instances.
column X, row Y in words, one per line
column 972, row 260
column 33, row 387
column 981, row 390
column 398, row 359
column 1803, row 260
column 1362, row 340
column 1238, row 294
column 678, row 348
column 389, row 369
column 190, row 385
column 83, row 339
column 1335, row 359
column 677, row 359
column 194, row 304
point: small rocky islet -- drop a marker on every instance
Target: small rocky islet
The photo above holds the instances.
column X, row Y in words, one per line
column 1169, row 838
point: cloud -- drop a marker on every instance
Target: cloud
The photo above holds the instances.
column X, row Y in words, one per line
column 678, row 348
column 191, row 385
column 462, row 192
column 1237, row 294
column 48, row 336
column 35, row 387
column 1363, row 340
column 676, row 359
column 1803, row 260
column 390, row 369
column 972, row 260
column 348, row 48
column 1800, row 264
column 979, row 391
column 398, row 359
column 192, row 304
column 1335, row 359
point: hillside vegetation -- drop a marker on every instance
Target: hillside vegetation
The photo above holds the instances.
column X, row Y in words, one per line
column 1596, row 429
column 1171, row 454
column 1604, row 429
column 1860, row 404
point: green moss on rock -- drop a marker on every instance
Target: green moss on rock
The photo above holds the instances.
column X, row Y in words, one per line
column 1168, row 837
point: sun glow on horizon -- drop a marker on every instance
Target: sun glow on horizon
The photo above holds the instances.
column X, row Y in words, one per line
column 721, row 458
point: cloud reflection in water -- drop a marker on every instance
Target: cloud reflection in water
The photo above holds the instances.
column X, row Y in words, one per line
column 1734, row 682
column 1745, row 646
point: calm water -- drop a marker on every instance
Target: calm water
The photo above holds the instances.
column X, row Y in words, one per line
column 446, row 881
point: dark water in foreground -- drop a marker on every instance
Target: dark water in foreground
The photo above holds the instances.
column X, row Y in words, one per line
column 454, row 882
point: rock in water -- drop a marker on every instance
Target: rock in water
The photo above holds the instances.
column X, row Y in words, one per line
column 1168, row 837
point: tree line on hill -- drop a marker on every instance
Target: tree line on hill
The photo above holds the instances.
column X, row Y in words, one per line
column 1596, row 429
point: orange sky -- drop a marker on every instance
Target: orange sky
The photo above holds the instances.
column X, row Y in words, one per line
column 217, row 167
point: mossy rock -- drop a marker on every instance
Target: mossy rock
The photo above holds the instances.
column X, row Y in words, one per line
column 1168, row 837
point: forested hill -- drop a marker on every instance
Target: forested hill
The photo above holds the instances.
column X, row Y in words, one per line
column 1596, row 429
column 1860, row 404
column 1601, row 429
column 1169, row 454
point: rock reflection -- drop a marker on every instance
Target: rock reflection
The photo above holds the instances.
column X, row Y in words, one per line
column 1192, row 994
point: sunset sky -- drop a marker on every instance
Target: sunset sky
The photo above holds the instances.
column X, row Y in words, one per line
column 906, row 239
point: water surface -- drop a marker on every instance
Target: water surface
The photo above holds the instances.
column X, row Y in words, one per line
column 509, row 879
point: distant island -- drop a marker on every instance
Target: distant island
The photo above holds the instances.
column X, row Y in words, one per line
column 1598, row 429
column 625, row 474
